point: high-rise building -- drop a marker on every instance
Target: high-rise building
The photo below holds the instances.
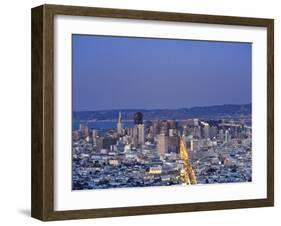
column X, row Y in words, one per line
column 99, row 143
column 226, row 136
column 141, row 134
column 139, row 130
column 135, row 136
column 120, row 125
column 164, row 127
column 197, row 132
column 95, row 134
column 194, row 145
column 130, row 131
column 138, row 118
column 156, row 128
column 195, row 122
column 173, row 144
column 162, row 144
column 206, row 130
column 105, row 142
column 83, row 128
column 213, row 131
column 138, row 135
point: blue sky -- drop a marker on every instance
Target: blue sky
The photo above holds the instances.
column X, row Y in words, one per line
column 146, row 73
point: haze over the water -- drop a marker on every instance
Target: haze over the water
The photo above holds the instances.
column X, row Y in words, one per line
column 142, row 73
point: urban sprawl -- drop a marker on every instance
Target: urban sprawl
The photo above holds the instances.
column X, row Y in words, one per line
column 150, row 153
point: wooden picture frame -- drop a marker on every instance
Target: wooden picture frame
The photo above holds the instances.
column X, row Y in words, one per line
column 42, row 203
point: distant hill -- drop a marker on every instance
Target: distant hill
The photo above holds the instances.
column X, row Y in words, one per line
column 208, row 112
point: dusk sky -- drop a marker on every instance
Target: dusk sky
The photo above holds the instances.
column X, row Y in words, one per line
column 144, row 73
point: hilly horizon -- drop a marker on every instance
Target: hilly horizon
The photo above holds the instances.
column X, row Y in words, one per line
column 215, row 111
column 160, row 109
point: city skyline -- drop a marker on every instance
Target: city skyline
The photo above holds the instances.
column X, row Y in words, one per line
column 161, row 153
column 149, row 73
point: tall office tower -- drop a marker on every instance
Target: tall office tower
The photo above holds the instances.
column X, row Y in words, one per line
column 173, row 144
column 162, row 144
column 120, row 125
column 138, row 118
column 105, row 142
column 206, row 130
column 184, row 130
column 150, row 130
column 226, row 136
column 99, row 143
column 135, row 136
column 138, row 135
column 197, row 132
column 83, row 128
column 130, row 132
column 196, row 122
column 189, row 131
column 139, row 130
column 164, row 127
column 95, row 134
column 213, row 131
column 141, row 134
column 194, row 144
column 156, row 128
column 221, row 134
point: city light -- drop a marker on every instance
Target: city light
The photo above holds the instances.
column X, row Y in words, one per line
column 161, row 152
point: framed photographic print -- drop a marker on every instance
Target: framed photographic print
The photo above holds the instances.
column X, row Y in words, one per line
column 141, row 112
